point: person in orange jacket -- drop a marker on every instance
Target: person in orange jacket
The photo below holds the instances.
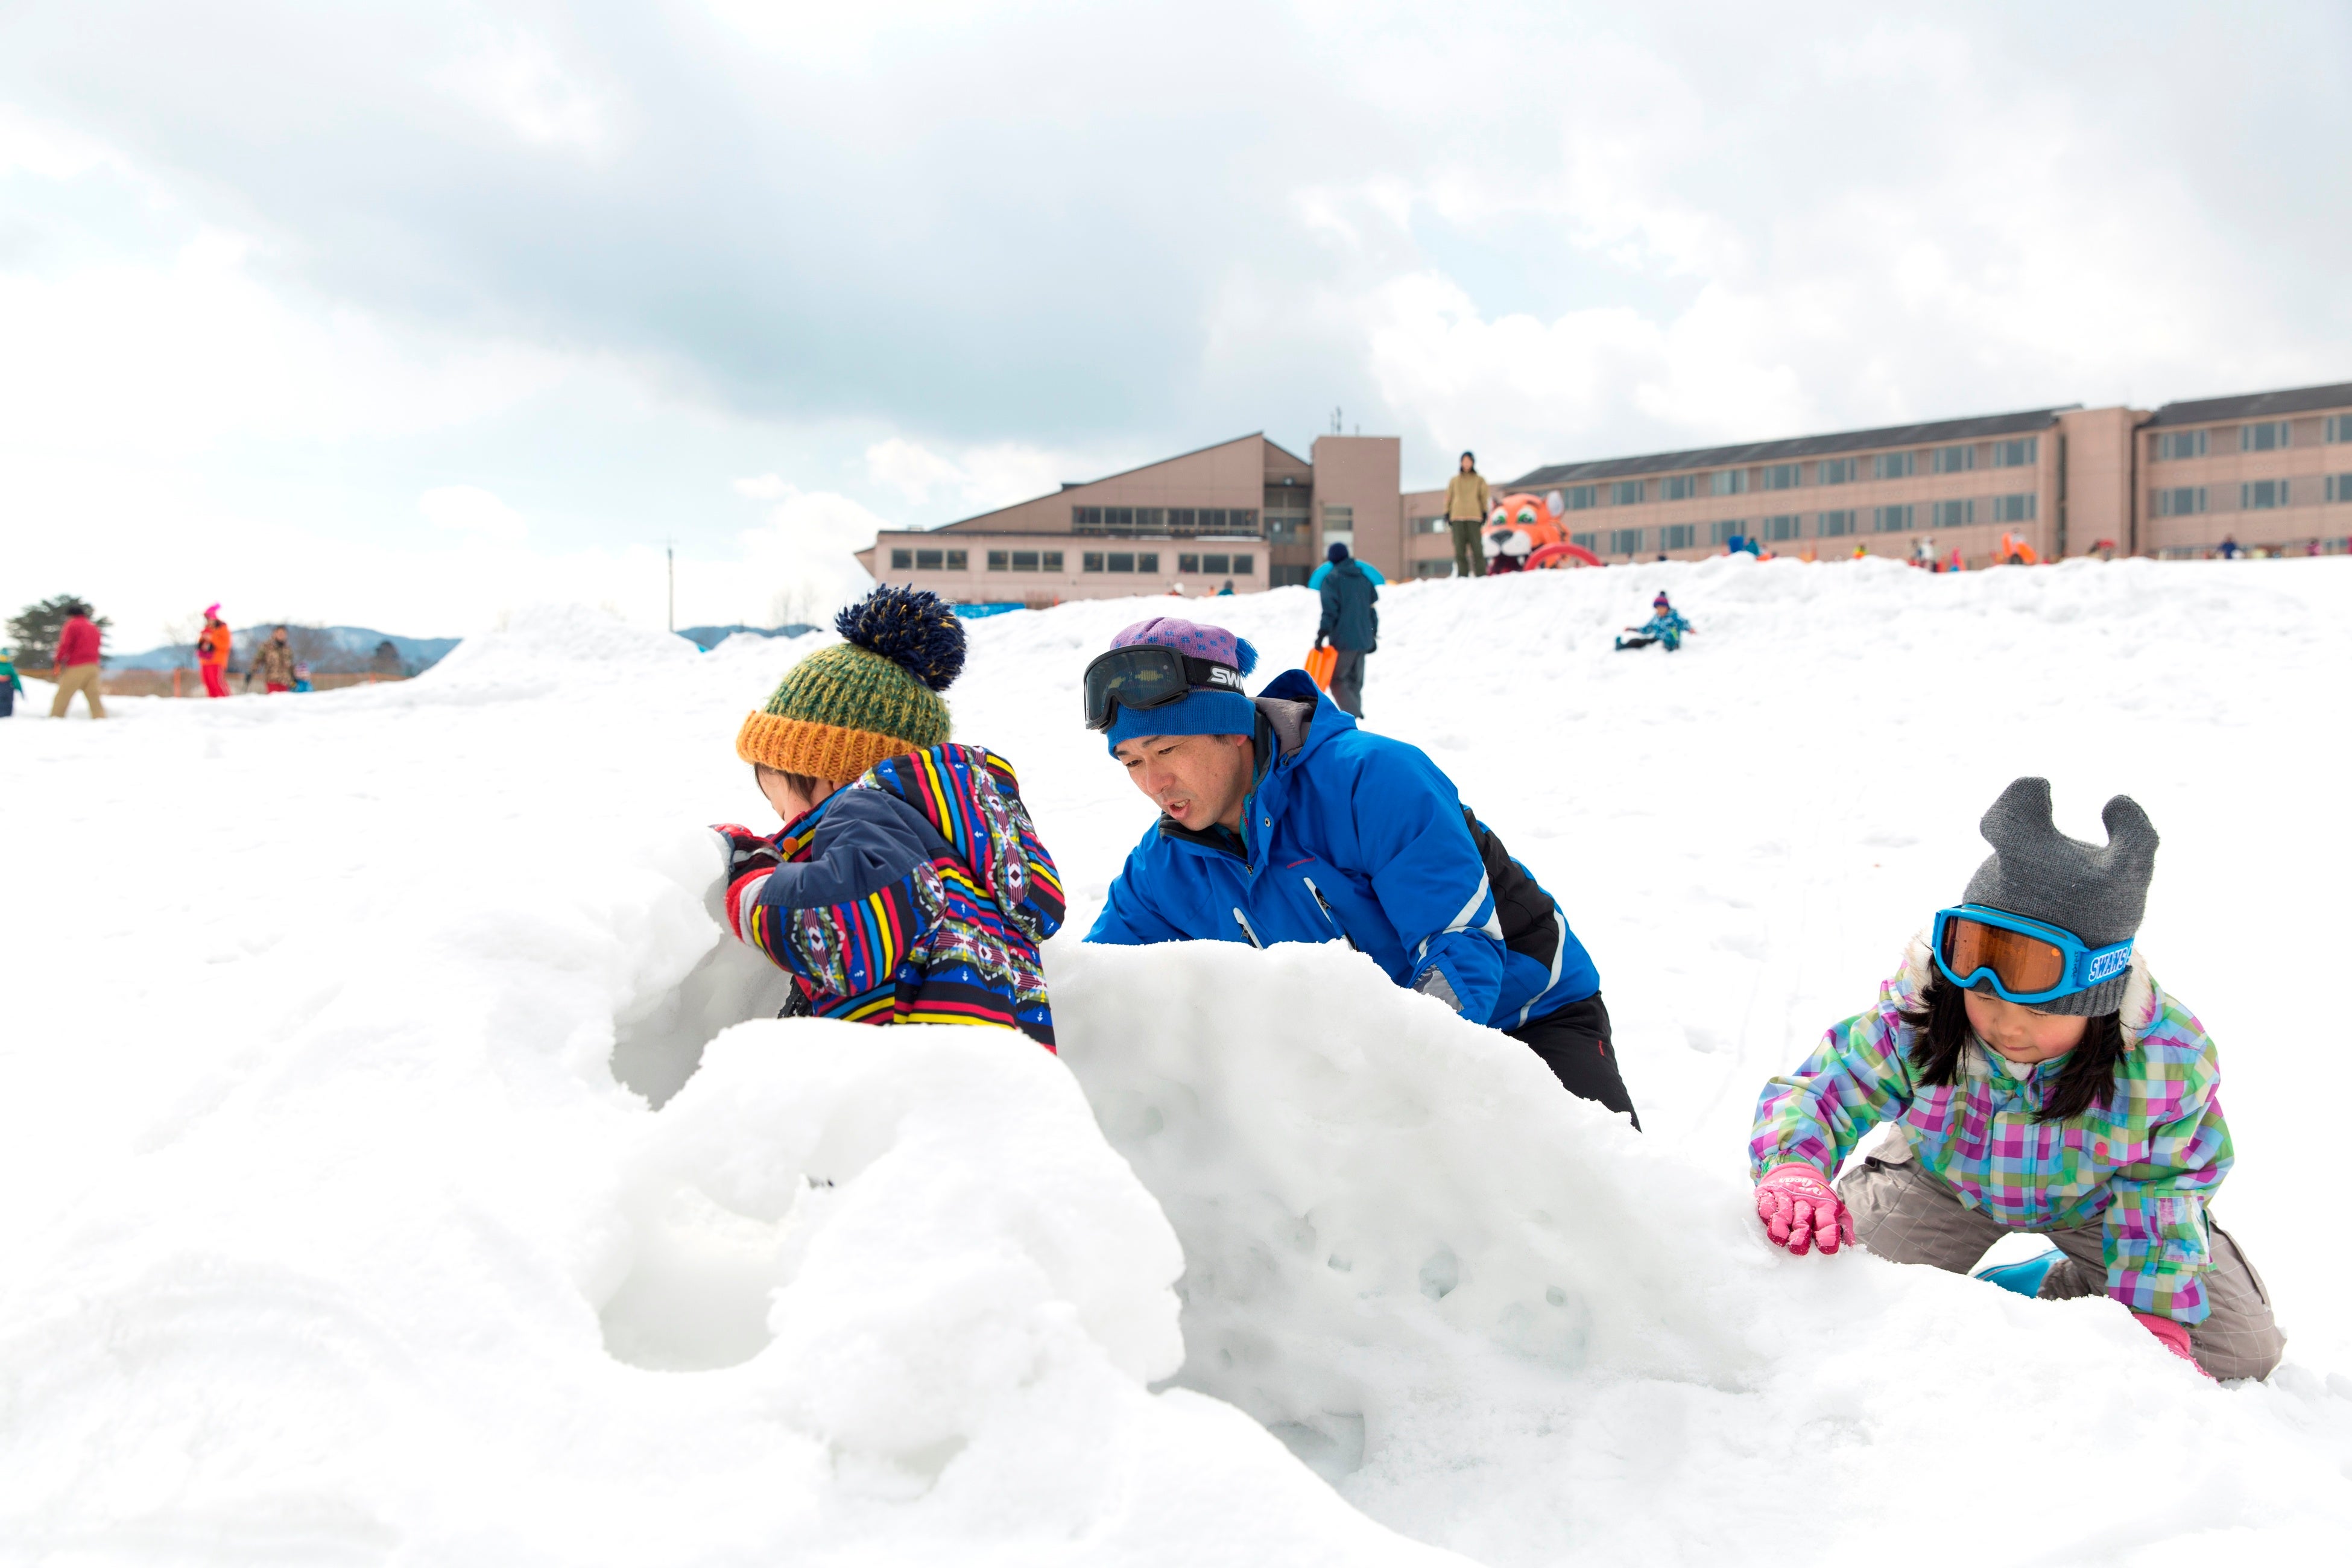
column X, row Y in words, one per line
column 212, row 652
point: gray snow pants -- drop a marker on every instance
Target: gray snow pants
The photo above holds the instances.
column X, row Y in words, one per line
column 1903, row 1215
column 1347, row 680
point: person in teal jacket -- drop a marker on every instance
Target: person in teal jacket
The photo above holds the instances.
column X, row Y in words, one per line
column 10, row 684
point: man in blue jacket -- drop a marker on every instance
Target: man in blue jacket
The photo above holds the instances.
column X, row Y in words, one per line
column 1282, row 821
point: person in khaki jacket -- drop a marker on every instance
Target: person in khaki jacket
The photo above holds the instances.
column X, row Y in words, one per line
column 1467, row 501
column 273, row 661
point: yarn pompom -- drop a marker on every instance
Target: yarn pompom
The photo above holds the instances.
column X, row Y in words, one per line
column 912, row 628
column 1245, row 656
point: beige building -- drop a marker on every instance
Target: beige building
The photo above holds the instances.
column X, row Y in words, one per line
column 2270, row 469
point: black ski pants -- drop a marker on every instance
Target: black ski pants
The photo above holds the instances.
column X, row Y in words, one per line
column 1573, row 1041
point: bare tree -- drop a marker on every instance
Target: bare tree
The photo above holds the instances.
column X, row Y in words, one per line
column 801, row 604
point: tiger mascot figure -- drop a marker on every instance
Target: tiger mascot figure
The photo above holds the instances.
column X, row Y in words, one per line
column 1518, row 527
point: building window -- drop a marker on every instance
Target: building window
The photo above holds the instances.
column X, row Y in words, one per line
column 1891, row 518
column 1285, row 530
column 1783, row 475
column 1086, row 519
column 1183, row 521
column 1726, row 532
column 958, row 561
column 1679, row 487
column 2265, row 435
column 930, row 560
column 1217, row 565
column 1727, row 482
column 1677, row 536
column 1951, row 513
column 1894, row 466
column 2339, row 427
column 1339, row 518
column 1150, row 519
column 2013, row 509
column 1428, row 525
column 902, row 561
column 1120, row 560
column 1279, row 576
column 1581, row 498
column 1833, row 524
column 1586, row 542
column 1625, row 492
column 1438, row 568
column 1190, row 566
column 2262, row 495
column 2021, row 453
column 1243, row 565
column 2174, row 445
column 1148, row 562
column 1091, row 560
column 2339, row 488
column 1784, row 527
column 1833, row 471
column 2180, row 500
column 1001, row 560
column 1955, row 460
column 1625, row 540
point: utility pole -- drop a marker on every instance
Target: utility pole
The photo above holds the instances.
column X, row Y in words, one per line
column 669, row 553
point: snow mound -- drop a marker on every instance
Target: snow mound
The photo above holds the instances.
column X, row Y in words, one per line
column 532, row 647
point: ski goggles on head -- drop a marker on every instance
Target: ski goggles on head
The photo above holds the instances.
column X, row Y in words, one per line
column 2024, row 961
column 1143, row 677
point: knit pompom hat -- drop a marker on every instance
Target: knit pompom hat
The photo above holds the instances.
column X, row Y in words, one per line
column 875, row 697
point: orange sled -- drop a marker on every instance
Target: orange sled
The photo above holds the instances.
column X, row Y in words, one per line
column 1321, row 663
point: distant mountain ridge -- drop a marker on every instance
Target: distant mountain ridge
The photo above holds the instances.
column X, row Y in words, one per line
column 357, row 644
column 708, row 637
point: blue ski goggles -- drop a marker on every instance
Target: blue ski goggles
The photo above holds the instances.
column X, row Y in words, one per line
column 2026, row 960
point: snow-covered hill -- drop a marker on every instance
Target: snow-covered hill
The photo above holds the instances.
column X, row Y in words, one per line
column 327, row 1232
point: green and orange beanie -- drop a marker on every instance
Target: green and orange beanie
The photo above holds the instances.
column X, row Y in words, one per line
column 875, row 697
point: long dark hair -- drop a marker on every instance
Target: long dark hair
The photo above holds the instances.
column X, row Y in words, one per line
column 1940, row 1032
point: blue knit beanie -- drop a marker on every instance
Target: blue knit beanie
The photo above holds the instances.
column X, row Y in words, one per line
column 1202, row 712
column 1336, row 553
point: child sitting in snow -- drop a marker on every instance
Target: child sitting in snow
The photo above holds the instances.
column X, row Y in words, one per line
column 2034, row 1077
column 908, row 885
column 1666, row 625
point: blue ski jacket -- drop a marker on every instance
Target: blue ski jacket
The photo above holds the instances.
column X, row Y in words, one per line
column 1350, row 837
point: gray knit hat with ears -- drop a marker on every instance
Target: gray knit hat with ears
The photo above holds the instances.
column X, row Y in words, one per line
column 2097, row 891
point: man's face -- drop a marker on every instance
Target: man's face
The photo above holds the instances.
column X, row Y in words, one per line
column 1196, row 780
column 278, row 636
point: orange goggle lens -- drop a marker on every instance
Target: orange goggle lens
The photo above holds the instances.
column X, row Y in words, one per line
column 2023, row 963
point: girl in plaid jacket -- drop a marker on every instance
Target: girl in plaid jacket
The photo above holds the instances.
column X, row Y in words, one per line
column 2027, row 1073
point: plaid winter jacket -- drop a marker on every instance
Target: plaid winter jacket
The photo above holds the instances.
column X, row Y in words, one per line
column 2146, row 1164
column 918, row 895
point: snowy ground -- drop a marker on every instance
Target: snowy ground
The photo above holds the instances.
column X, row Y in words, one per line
column 329, row 1236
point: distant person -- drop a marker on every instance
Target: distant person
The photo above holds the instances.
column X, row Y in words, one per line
column 1280, row 820
column 1665, row 626
column 76, row 663
column 2035, row 1080
column 1923, row 551
column 2231, row 548
column 301, row 677
column 908, row 884
column 10, row 684
column 214, row 645
column 1467, row 502
column 273, row 662
column 1351, row 625
column 1227, row 591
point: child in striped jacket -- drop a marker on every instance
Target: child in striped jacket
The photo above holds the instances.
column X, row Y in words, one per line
column 908, row 885
column 2028, row 1075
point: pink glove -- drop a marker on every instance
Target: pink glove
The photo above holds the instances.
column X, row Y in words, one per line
column 2175, row 1337
column 1798, row 1207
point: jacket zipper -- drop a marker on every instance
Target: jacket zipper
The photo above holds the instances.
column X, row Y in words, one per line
column 1330, row 916
column 1246, row 927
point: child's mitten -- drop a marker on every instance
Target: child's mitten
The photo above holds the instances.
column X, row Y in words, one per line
column 2175, row 1337
column 748, row 857
column 1800, row 1208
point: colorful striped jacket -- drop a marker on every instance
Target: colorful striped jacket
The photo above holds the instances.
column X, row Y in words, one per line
column 2144, row 1166
column 916, row 895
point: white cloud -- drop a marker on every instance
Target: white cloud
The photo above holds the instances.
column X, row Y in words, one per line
column 981, row 478
column 515, row 78
column 463, row 508
column 763, row 487
column 908, row 468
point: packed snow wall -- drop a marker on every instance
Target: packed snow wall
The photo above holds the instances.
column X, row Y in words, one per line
column 342, row 1224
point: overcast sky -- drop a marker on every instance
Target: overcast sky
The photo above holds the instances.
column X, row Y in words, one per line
column 405, row 314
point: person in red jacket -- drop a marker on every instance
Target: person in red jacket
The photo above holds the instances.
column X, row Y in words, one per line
column 212, row 652
column 76, row 663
